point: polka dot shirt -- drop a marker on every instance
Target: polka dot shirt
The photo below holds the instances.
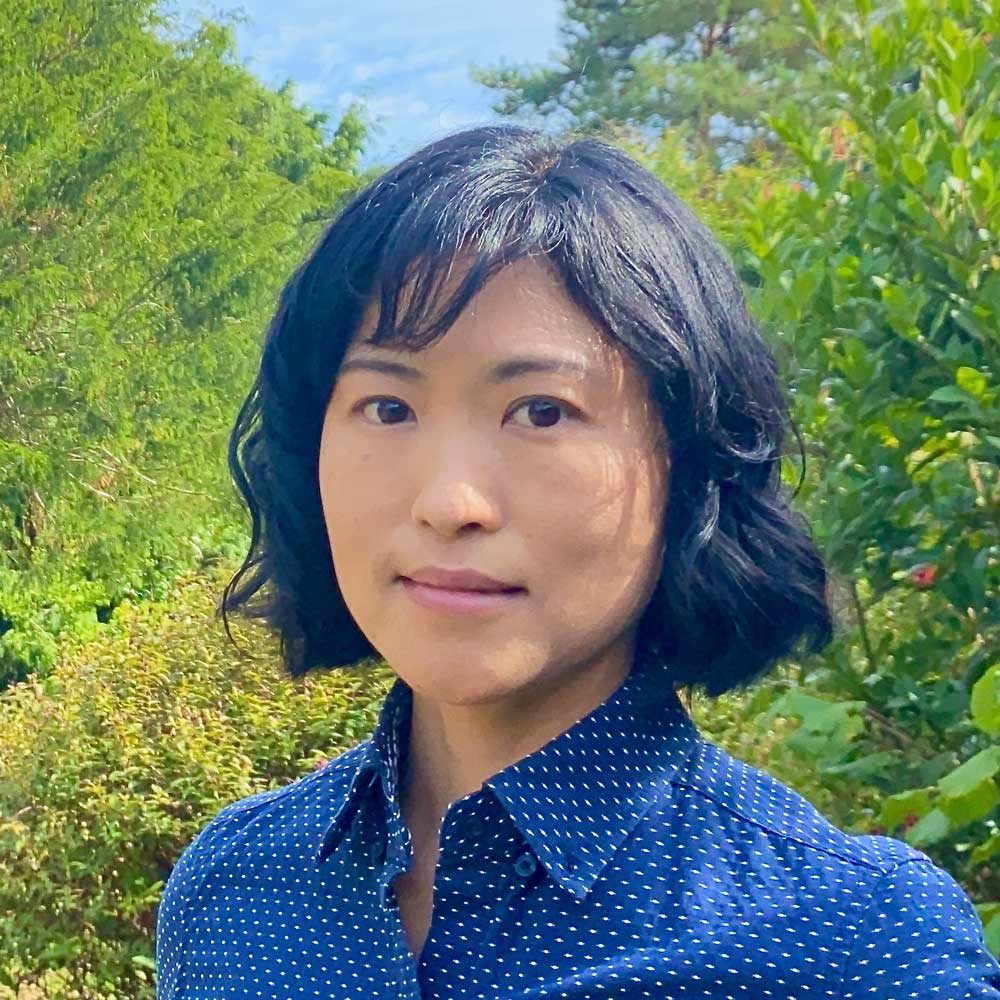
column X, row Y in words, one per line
column 628, row 858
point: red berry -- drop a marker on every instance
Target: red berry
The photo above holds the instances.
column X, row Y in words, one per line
column 923, row 576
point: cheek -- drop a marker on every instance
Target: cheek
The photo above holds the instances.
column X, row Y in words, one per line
column 354, row 496
column 597, row 525
column 611, row 499
column 351, row 477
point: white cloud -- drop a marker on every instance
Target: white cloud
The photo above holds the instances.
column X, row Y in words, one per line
column 450, row 121
column 452, row 74
column 404, row 62
column 397, row 105
column 408, row 60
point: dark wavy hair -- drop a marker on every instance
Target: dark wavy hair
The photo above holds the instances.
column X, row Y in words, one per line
column 742, row 583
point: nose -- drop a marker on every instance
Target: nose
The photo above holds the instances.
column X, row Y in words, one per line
column 451, row 497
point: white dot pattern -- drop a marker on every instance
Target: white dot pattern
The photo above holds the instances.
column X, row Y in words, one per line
column 628, row 858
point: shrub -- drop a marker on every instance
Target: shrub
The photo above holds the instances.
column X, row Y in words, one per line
column 878, row 273
column 110, row 765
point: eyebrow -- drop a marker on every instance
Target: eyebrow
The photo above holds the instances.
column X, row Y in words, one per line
column 503, row 372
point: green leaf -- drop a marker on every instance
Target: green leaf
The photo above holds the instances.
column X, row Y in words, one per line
column 916, row 14
column 866, row 767
column 881, row 44
column 820, row 715
column 960, row 162
column 897, row 807
column 986, row 850
column 963, row 68
column 991, row 934
column 902, row 114
column 972, row 381
column 950, row 394
column 967, row 776
column 810, row 19
column 913, row 169
column 984, row 178
column 985, row 700
column 932, row 827
column 975, row 804
column 952, row 94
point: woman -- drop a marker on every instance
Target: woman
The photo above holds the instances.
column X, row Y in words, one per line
column 515, row 433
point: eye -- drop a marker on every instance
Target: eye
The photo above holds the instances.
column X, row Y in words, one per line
column 385, row 405
column 543, row 412
column 544, row 409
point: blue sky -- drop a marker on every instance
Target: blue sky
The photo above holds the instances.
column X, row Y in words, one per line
column 410, row 58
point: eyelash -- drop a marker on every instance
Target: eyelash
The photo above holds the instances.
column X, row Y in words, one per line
column 571, row 411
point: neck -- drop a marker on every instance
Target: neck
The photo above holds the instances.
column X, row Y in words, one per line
column 454, row 749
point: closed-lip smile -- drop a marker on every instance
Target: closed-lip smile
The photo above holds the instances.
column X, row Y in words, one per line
column 458, row 579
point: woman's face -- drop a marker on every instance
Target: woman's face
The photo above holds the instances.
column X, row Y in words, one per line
column 552, row 481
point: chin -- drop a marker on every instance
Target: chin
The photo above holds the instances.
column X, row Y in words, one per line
column 466, row 686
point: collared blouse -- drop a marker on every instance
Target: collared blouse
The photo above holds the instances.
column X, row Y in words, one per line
column 628, row 858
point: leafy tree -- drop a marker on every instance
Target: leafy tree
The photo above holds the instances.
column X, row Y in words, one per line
column 708, row 67
column 153, row 196
column 879, row 277
column 870, row 256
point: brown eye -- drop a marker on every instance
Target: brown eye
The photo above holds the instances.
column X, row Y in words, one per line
column 385, row 406
column 542, row 412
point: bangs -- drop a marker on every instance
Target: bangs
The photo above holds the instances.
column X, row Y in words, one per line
column 408, row 280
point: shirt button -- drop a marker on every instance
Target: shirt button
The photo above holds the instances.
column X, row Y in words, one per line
column 377, row 852
column 474, row 828
column 526, row 864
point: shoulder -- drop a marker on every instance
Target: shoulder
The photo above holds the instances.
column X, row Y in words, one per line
column 752, row 802
column 902, row 925
column 291, row 810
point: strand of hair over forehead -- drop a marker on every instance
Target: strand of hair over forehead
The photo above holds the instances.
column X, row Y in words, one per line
column 476, row 209
column 476, row 212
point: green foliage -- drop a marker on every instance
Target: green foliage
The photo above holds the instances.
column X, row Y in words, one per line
column 153, row 196
column 878, row 278
column 110, row 765
column 649, row 65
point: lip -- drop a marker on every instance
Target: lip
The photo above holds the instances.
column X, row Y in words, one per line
column 458, row 579
column 459, row 601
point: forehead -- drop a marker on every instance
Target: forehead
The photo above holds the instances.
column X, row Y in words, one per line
column 524, row 305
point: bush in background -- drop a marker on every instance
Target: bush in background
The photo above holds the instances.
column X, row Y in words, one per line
column 878, row 278
column 110, row 765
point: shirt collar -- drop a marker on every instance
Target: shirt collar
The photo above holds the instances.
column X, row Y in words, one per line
column 576, row 799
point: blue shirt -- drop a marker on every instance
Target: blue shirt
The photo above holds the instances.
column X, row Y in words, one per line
column 628, row 858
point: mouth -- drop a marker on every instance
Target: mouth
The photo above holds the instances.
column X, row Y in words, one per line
column 456, row 600
column 464, row 590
